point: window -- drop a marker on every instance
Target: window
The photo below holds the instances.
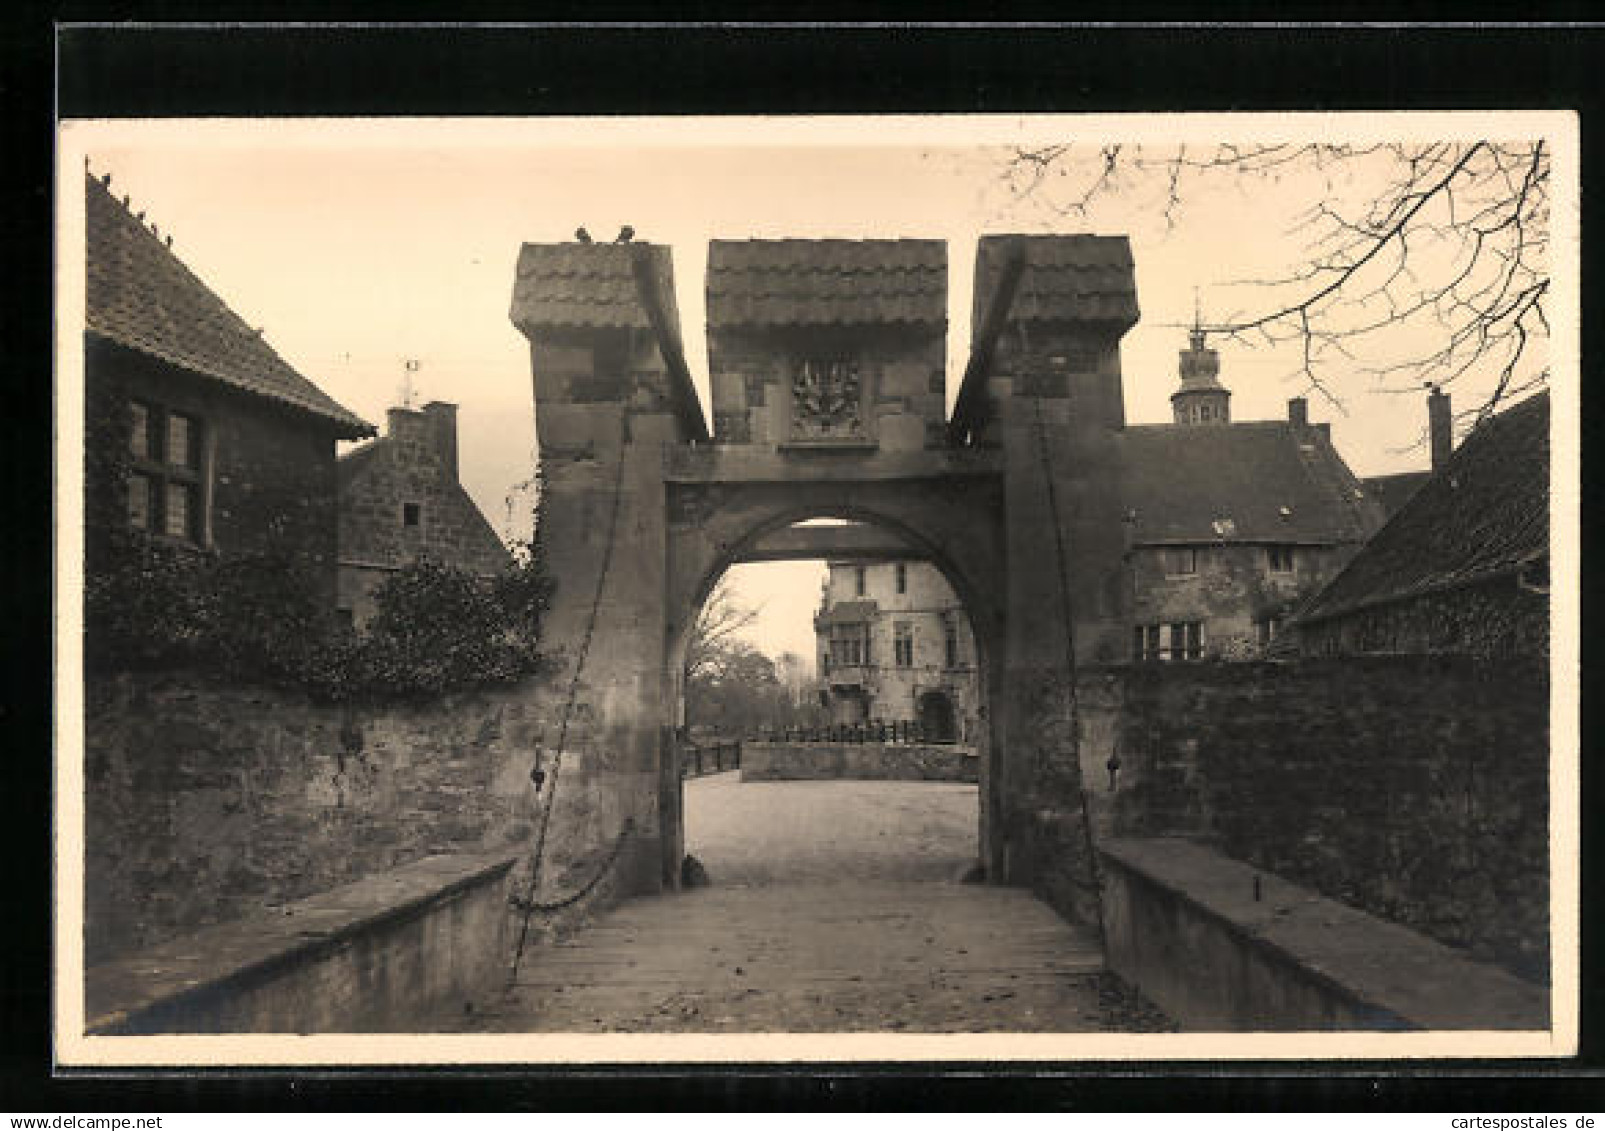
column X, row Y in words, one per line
column 1265, row 630
column 902, row 577
column 849, row 645
column 950, row 633
column 903, row 643
column 411, row 514
column 858, row 580
column 1279, row 558
column 1187, row 640
column 139, row 501
column 165, row 488
column 1181, row 561
column 1179, row 640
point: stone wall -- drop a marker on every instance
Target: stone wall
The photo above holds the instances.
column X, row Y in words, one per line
column 206, row 804
column 900, row 367
column 1414, row 788
column 1232, row 590
column 400, row 501
column 1495, row 618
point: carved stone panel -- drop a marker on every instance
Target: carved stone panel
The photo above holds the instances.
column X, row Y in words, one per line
column 827, row 400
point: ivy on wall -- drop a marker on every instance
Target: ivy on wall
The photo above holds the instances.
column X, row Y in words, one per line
column 151, row 604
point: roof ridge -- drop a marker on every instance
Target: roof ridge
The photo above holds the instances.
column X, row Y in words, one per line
column 226, row 322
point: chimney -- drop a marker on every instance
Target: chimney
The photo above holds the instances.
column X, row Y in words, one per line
column 440, row 422
column 1298, row 412
column 1440, row 427
column 400, row 421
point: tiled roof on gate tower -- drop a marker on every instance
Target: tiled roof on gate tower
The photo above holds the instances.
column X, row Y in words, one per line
column 1266, row 481
column 588, row 285
column 826, row 282
column 139, row 295
column 1073, row 278
column 1484, row 515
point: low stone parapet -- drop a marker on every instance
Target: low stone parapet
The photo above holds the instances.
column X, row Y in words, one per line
column 1222, row 946
column 370, row 956
column 869, row 761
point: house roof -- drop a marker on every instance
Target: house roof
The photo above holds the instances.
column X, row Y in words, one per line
column 1393, row 491
column 587, row 285
column 1076, row 278
column 140, row 295
column 1485, row 514
column 849, row 612
column 1261, row 482
column 825, row 282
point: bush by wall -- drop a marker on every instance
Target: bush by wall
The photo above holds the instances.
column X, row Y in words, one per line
column 257, row 620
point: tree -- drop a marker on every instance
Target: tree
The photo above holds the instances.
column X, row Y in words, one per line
column 1418, row 263
column 722, row 617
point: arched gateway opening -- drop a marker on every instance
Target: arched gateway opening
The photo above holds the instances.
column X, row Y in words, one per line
column 857, row 778
column 826, row 367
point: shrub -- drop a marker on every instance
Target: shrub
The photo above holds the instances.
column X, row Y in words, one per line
column 256, row 619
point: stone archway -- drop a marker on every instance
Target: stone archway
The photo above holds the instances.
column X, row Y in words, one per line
column 716, row 523
column 827, row 401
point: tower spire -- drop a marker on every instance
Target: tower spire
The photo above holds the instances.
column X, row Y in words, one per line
column 1201, row 399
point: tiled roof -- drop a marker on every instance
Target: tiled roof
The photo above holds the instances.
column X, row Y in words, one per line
column 1261, row 482
column 825, row 282
column 138, row 294
column 1066, row 278
column 1486, row 513
column 849, row 612
column 1393, row 491
column 587, row 284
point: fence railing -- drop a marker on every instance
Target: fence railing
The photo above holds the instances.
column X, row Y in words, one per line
column 904, row 733
column 698, row 761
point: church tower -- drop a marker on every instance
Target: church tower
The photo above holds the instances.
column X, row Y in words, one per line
column 1201, row 399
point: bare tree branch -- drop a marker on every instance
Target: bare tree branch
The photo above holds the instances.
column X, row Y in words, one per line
column 1417, row 262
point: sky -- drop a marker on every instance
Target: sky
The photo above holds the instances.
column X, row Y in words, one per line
column 358, row 245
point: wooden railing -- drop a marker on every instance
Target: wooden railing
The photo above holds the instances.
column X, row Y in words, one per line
column 906, row 733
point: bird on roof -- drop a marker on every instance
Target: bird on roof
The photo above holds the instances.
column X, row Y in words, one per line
column 626, row 234
column 582, row 235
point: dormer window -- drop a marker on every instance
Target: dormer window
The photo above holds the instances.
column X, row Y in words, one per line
column 1181, row 561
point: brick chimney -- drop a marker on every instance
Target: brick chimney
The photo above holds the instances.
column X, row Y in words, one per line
column 402, row 423
column 1440, row 427
column 440, row 424
column 1298, row 412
